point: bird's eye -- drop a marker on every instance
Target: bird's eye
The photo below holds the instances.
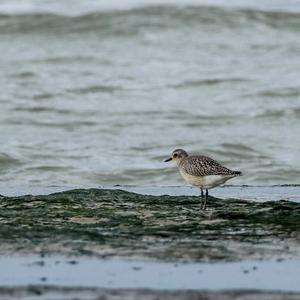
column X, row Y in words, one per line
column 175, row 155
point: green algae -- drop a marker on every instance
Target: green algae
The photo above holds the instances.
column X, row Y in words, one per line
column 119, row 223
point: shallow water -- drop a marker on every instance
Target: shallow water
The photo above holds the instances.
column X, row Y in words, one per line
column 62, row 271
column 102, row 93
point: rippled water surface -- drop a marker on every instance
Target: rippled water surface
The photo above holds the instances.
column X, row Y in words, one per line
column 101, row 94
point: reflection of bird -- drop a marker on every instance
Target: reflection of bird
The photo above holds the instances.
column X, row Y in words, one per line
column 201, row 171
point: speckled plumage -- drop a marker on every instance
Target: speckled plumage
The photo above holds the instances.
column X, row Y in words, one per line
column 198, row 165
column 201, row 171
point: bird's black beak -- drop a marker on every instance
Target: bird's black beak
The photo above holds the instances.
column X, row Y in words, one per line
column 168, row 159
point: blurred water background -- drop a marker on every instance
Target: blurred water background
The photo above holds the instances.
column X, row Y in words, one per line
column 100, row 92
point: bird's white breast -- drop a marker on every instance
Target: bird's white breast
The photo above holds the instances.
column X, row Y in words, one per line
column 206, row 182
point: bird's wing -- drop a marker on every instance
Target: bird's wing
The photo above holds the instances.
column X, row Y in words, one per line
column 203, row 166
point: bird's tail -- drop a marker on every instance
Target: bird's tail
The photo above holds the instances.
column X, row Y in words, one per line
column 238, row 173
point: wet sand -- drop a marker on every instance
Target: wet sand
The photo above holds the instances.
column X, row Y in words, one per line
column 42, row 292
column 46, row 292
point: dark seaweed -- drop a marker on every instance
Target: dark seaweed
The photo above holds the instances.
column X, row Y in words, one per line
column 119, row 223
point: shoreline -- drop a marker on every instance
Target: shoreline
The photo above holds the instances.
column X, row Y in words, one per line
column 41, row 292
column 247, row 192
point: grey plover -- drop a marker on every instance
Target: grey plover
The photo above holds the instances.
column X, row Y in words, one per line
column 201, row 171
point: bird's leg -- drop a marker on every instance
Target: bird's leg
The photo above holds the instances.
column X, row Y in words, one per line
column 206, row 196
column 202, row 194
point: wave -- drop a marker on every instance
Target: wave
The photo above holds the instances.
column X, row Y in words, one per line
column 127, row 22
column 282, row 92
column 7, row 160
column 212, row 81
column 95, row 89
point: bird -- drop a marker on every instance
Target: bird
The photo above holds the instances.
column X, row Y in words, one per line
column 201, row 171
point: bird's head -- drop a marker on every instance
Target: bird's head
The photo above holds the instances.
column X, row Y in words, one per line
column 177, row 156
